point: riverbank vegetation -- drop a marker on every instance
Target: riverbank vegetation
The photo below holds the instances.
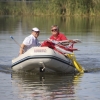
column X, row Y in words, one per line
column 51, row 7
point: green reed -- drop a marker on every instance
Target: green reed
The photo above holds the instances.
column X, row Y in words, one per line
column 51, row 7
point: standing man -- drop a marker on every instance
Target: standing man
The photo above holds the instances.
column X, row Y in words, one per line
column 30, row 41
column 56, row 35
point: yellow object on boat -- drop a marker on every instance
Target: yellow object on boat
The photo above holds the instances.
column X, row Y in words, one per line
column 76, row 64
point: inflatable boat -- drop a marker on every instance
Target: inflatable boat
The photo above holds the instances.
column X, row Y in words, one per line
column 48, row 58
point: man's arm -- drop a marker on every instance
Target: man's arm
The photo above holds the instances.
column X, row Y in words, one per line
column 21, row 49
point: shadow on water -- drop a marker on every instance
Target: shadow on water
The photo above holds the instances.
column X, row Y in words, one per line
column 45, row 86
column 5, row 69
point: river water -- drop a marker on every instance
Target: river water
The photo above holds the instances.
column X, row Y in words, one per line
column 33, row 86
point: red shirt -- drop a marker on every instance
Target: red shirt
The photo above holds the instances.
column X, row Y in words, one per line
column 59, row 37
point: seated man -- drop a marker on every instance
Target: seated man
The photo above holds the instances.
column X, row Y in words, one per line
column 30, row 41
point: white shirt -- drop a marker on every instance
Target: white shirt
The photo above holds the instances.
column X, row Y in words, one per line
column 30, row 41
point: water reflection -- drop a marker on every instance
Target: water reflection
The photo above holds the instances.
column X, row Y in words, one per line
column 78, row 25
column 45, row 87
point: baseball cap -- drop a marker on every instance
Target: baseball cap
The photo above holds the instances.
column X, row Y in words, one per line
column 35, row 29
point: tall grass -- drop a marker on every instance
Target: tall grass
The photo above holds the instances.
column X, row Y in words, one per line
column 51, row 7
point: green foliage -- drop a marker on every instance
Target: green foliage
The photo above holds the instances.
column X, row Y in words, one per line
column 51, row 7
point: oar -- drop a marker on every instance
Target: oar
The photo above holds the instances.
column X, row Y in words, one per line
column 16, row 42
column 64, row 42
column 75, row 62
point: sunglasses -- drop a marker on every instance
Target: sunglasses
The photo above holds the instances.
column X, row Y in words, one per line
column 54, row 30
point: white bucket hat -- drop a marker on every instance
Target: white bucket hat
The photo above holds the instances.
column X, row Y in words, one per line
column 35, row 29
